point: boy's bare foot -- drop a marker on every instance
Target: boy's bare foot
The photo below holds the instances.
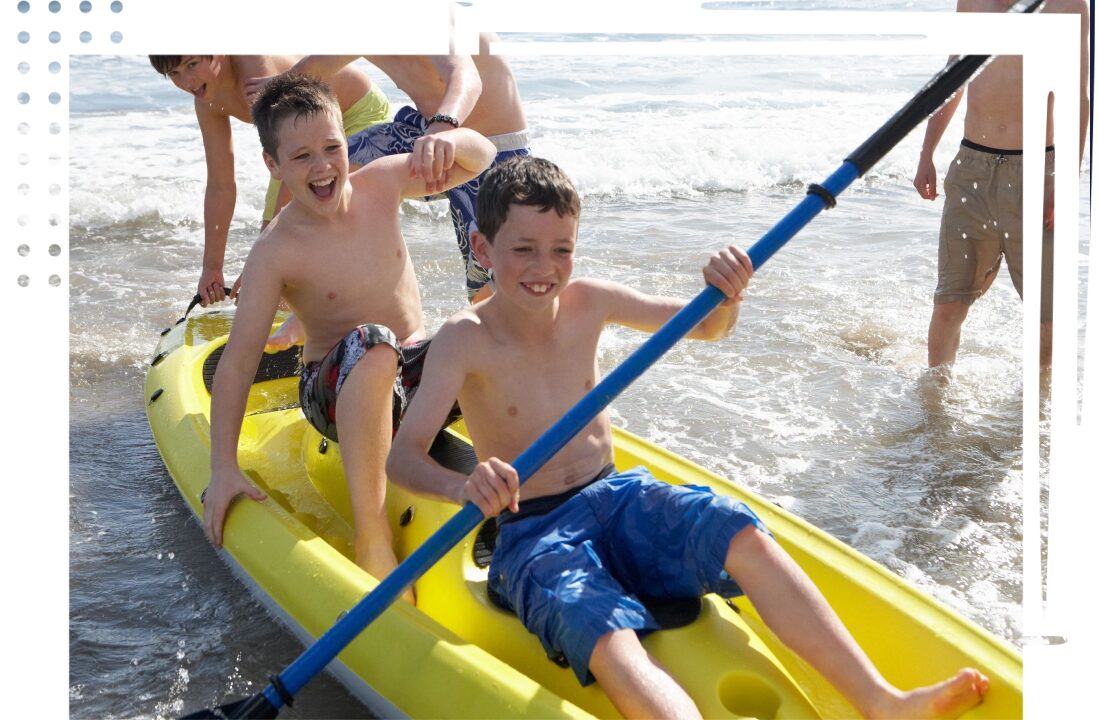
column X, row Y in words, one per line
column 947, row 699
column 379, row 563
column 290, row 333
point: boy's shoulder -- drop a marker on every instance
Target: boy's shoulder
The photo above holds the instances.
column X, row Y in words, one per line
column 589, row 291
column 464, row 323
column 590, row 285
column 460, row 334
column 380, row 184
column 383, row 170
column 278, row 238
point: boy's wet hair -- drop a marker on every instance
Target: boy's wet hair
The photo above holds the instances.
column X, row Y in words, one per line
column 290, row 96
column 523, row 180
column 165, row 64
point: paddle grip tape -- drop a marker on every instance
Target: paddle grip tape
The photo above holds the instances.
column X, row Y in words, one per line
column 284, row 694
column 822, row 192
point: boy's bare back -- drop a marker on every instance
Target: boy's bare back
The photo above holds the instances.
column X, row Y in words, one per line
column 220, row 92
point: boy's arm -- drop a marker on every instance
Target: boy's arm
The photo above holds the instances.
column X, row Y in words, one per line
column 323, row 67
column 462, row 88
column 494, row 484
column 447, row 159
column 926, row 180
column 729, row 270
column 409, row 464
column 461, row 154
column 232, row 381
column 221, row 200
column 320, row 67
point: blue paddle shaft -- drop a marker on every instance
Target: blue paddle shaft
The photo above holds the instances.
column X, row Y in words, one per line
column 313, row 660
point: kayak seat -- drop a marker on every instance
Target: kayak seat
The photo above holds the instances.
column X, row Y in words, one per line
column 272, row 366
column 453, row 453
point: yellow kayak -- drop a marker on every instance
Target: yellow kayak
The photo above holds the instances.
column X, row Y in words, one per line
column 456, row 654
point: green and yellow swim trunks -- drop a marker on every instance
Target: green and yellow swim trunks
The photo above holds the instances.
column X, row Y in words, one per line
column 371, row 109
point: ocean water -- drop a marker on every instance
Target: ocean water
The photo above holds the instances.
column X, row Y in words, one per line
column 820, row 401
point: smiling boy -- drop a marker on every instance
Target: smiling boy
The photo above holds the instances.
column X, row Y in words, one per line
column 588, row 539
column 336, row 255
column 477, row 91
column 217, row 84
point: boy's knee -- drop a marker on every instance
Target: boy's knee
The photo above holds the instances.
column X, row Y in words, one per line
column 375, row 369
column 748, row 545
column 749, row 539
column 380, row 359
column 951, row 312
column 619, row 648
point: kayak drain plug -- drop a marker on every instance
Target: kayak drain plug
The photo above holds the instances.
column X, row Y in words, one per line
column 324, row 446
column 407, row 515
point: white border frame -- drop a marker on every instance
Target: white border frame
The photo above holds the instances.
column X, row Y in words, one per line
column 34, row 462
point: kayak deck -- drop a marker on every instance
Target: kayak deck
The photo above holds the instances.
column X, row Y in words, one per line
column 458, row 655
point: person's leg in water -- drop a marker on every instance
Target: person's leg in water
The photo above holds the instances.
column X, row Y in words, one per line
column 792, row 606
column 944, row 334
column 1045, row 346
column 365, row 421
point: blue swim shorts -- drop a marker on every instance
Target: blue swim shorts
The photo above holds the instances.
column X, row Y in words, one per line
column 399, row 136
column 575, row 573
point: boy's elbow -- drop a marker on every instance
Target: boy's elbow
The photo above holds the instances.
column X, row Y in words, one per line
column 488, row 152
column 718, row 325
column 393, row 467
column 396, row 465
column 717, row 333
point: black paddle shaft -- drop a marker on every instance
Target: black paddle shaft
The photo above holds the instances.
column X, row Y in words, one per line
column 923, row 104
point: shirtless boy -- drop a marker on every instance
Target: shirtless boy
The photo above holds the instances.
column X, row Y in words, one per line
column 517, row 362
column 336, row 255
column 448, row 91
column 982, row 215
column 217, row 83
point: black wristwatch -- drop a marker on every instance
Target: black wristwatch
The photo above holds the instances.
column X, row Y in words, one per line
column 439, row 117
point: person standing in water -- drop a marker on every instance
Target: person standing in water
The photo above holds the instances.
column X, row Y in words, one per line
column 982, row 213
